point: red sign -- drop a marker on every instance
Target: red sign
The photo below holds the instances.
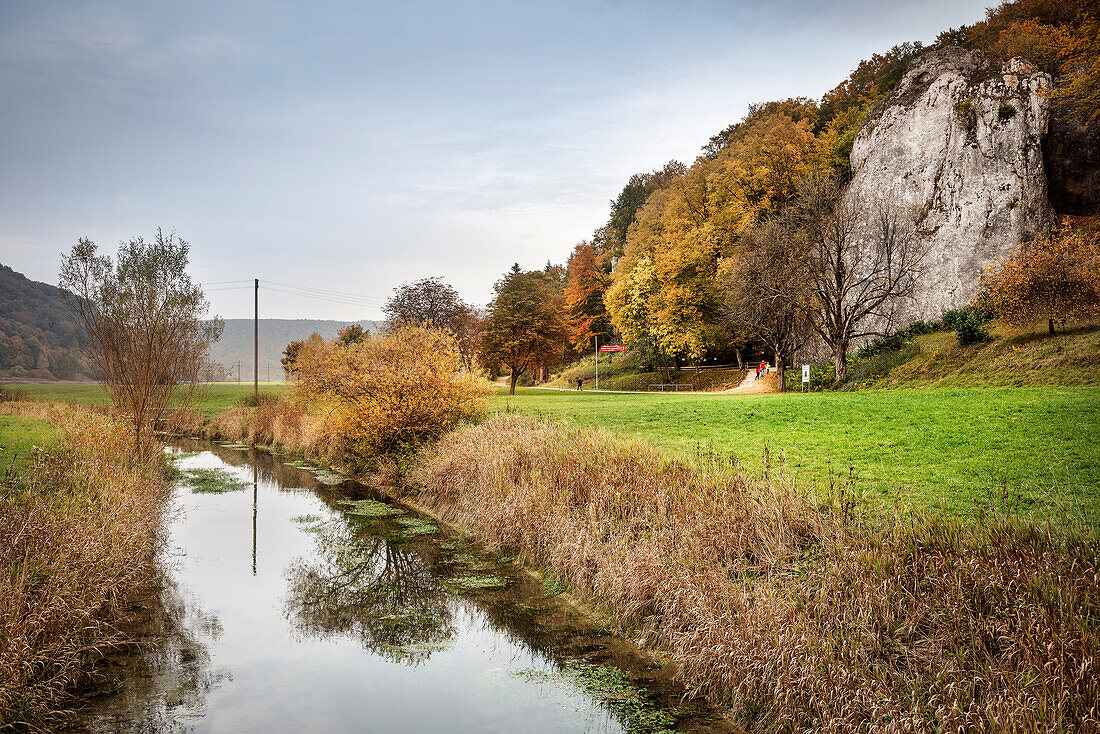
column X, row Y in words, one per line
column 613, row 348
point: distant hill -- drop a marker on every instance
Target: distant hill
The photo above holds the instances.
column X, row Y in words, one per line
column 236, row 343
column 39, row 337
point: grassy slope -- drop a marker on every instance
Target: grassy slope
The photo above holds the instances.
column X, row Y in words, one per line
column 18, row 437
column 929, row 447
column 217, row 397
column 623, row 372
column 1012, row 358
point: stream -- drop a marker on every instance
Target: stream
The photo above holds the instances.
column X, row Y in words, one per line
column 294, row 601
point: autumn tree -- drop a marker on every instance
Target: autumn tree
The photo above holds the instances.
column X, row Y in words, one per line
column 434, row 304
column 585, row 310
column 1054, row 277
column 351, row 334
column 767, row 290
column 860, row 258
column 290, row 356
column 524, row 325
column 428, row 302
column 146, row 322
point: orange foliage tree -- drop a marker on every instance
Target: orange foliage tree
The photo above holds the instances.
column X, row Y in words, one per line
column 1056, row 277
column 585, row 311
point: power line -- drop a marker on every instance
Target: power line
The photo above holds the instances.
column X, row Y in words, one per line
column 323, row 297
column 324, row 291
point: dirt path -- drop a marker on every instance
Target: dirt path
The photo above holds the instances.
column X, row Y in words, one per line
column 749, row 386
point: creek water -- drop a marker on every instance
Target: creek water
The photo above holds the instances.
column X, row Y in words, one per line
column 292, row 605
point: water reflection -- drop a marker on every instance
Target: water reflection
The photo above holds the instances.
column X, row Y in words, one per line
column 303, row 618
column 370, row 590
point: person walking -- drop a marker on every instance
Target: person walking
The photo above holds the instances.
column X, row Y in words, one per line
column 757, row 372
column 580, row 382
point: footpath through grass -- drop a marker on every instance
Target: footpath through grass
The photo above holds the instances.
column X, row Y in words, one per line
column 214, row 398
column 932, row 448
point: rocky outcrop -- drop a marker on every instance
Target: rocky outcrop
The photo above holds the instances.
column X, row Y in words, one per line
column 960, row 143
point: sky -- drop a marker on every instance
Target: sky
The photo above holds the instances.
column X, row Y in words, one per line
column 350, row 147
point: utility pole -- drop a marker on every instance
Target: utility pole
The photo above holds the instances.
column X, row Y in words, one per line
column 267, row 365
column 256, row 345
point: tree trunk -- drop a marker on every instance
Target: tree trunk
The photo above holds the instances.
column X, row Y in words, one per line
column 512, row 382
column 740, row 359
column 1050, row 325
column 840, row 359
column 780, row 374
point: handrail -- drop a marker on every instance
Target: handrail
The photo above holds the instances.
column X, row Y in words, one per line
column 674, row 385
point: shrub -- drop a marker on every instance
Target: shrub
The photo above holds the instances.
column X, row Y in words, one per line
column 388, row 393
column 970, row 324
column 1006, row 111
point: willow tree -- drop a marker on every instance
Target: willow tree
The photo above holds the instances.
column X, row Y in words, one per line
column 148, row 334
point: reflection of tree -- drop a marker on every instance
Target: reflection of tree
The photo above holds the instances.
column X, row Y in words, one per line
column 169, row 682
column 370, row 590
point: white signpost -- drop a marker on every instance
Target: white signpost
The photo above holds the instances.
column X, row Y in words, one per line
column 805, row 377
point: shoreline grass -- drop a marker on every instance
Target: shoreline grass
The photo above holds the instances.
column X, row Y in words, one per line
column 798, row 615
column 80, row 527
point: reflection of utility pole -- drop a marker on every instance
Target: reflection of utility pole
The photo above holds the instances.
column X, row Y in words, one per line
column 254, row 493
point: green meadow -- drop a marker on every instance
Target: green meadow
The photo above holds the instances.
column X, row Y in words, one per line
column 939, row 448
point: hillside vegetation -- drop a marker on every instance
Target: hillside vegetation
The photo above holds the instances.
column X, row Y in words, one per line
column 39, row 337
column 1010, row 358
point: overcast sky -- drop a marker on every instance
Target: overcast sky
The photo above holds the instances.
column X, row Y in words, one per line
column 354, row 146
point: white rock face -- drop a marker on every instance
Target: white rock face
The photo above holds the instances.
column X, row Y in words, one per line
column 961, row 145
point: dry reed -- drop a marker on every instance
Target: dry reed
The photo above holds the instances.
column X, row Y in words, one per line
column 78, row 536
column 797, row 613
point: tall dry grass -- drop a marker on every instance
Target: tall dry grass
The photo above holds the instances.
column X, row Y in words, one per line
column 78, row 535
column 798, row 614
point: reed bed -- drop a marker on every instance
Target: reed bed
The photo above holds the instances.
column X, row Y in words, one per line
column 799, row 613
column 78, row 535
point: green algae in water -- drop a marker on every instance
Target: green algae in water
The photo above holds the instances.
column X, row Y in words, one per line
column 639, row 713
column 182, row 455
column 306, row 519
column 325, row 476
column 414, row 527
column 552, row 585
column 469, row 583
column 471, row 562
column 371, row 508
column 213, row 481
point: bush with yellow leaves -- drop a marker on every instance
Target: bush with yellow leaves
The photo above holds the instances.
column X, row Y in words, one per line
column 388, row 393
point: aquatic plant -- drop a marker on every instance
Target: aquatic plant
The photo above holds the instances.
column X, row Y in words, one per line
column 213, row 481
column 370, row 508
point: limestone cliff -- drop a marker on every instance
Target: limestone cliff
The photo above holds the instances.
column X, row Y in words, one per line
column 960, row 143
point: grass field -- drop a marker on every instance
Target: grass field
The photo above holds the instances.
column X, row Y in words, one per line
column 18, row 437
column 932, row 448
column 215, row 398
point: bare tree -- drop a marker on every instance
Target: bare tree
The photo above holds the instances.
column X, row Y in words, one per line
column 767, row 289
column 435, row 304
column 861, row 257
column 146, row 324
